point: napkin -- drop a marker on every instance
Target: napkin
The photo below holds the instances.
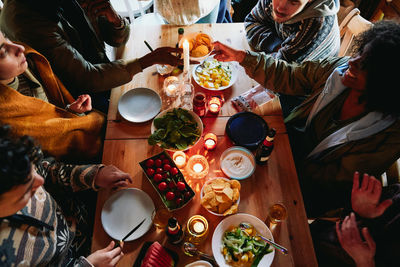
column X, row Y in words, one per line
column 254, row 100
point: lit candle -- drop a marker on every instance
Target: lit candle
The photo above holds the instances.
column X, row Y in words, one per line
column 198, row 227
column 170, row 90
column 210, row 142
column 180, row 159
column 186, row 61
column 214, row 104
column 198, row 167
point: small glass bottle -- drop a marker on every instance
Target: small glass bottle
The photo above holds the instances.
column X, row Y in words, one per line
column 174, row 231
column 264, row 150
column 199, row 104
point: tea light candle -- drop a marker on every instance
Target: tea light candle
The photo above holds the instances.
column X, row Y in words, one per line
column 198, row 227
column 210, row 141
column 214, row 105
column 171, row 84
column 180, row 159
column 198, row 167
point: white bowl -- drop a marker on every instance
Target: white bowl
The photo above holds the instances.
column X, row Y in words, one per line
column 234, row 75
column 192, row 35
column 195, row 117
column 235, row 220
column 202, row 194
column 232, row 170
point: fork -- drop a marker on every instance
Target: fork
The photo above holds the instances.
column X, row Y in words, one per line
column 281, row 249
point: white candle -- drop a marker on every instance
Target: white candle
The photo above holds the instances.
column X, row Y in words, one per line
column 214, row 107
column 210, row 142
column 198, row 227
column 170, row 89
column 197, row 167
column 186, row 61
column 179, row 160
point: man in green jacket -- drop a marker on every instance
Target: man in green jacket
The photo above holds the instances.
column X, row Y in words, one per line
column 350, row 120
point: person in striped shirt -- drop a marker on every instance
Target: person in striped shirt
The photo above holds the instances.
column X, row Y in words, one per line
column 43, row 219
column 294, row 31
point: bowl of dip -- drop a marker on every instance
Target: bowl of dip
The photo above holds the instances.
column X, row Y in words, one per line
column 237, row 163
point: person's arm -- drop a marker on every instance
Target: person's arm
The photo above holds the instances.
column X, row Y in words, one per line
column 82, row 177
column 260, row 28
column 349, row 238
column 278, row 75
column 113, row 28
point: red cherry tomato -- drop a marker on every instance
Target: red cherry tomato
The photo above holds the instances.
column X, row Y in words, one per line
column 158, row 162
column 162, row 186
column 159, row 170
column 179, row 201
column 162, row 156
column 167, row 167
column 181, row 186
column 174, row 171
column 170, row 195
column 150, row 163
column 165, row 161
column 164, row 175
column 158, row 178
column 150, row 171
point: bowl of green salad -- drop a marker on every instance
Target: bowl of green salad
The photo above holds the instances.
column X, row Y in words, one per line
column 176, row 129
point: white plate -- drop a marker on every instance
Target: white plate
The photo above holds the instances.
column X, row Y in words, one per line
column 233, row 171
column 235, row 220
column 234, row 76
column 124, row 210
column 139, row 104
column 199, row 264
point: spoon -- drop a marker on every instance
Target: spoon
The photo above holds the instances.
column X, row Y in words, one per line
column 280, row 248
column 191, row 250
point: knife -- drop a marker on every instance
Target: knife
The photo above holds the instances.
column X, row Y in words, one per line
column 118, row 243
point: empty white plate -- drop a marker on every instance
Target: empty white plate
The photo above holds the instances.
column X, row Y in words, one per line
column 124, row 210
column 139, row 104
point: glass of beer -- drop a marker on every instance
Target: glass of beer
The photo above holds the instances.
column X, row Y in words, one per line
column 277, row 213
column 160, row 217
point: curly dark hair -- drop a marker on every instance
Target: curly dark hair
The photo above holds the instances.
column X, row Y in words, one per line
column 16, row 158
column 380, row 46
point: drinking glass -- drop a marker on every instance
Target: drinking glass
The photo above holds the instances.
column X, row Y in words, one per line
column 164, row 69
column 160, row 217
column 277, row 213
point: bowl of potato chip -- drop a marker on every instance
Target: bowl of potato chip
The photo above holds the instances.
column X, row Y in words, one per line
column 220, row 196
column 200, row 45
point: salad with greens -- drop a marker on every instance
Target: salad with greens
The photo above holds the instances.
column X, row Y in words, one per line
column 242, row 247
column 177, row 129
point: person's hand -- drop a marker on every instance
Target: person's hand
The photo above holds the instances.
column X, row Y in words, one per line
column 362, row 252
column 97, row 8
column 81, row 105
column 111, row 177
column 365, row 198
column 105, row 257
column 223, row 52
column 163, row 55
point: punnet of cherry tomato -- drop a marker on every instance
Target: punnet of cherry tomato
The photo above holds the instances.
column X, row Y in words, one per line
column 167, row 180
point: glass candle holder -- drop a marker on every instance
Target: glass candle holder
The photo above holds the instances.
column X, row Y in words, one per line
column 196, row 229
column 214, row 105
column 199, row 104
column 171, row 86
column 210, row 141
column 179, row 158
column 197, row 167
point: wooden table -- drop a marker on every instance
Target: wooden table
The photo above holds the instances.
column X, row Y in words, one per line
column 126, row 145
